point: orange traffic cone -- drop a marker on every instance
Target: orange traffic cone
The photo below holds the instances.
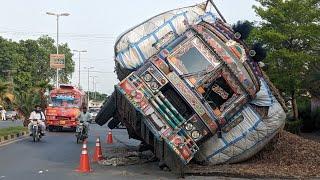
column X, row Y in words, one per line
column 109, row 138
column 97, row 152
column 84, row 166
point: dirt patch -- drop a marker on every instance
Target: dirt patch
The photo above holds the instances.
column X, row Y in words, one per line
column 287, row 155
column 123, row 156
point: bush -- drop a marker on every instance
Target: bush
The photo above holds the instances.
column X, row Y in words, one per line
column 304, row 109
column 12, row 130
column 293, row 126
column 316, row 117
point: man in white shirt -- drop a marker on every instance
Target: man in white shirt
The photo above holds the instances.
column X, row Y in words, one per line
column 38, row 115
column 84, row 117
column 3, row 114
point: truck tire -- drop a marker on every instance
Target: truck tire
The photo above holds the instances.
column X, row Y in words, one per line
column 121, row 72
column 113, row 123
column 107, row 111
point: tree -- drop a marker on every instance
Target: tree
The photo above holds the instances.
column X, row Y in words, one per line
column 5, row 96
column 97, row 96
column 41, row 87
column 314, row 86
column 290, row 31
column 25, row 102
column 29, row 60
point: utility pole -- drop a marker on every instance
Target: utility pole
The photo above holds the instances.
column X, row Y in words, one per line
column 95, row 90
column 57, row 15
column 93, row 82
column 88, row 94
column 79, row 52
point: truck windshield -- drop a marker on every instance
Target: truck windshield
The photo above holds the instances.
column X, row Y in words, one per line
column 193, row 59
column 65, row 101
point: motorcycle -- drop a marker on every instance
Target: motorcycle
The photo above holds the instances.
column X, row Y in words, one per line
column 36, row 131
column 81, row 132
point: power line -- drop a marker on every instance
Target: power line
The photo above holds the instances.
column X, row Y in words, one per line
column 100, row 35
column 95, row 71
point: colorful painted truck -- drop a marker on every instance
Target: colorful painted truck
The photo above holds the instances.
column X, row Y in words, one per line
column 64, row 106
column 191, row 90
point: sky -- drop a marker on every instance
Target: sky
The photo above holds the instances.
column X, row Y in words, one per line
column 94, row 25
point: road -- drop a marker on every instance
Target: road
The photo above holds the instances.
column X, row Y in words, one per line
column 57, row 155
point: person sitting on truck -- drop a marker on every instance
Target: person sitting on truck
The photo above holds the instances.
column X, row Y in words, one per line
column 38, row 115
column 84, row 117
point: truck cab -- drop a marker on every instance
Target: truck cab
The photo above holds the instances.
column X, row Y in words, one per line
column 64, row 107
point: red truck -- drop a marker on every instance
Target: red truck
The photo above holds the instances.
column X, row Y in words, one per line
column 64, row 107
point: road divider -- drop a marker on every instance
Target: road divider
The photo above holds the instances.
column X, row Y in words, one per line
column 11, row 134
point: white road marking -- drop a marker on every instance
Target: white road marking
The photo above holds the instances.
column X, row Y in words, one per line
column 14, row 141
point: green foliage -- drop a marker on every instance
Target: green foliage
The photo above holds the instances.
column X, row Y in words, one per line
column 313, row 79
column 25, row 102
column 290, row 31
column 293, row 126
column 5, row 96
column 316, row 116
column 310, row 120
column 12, row 130
column 29, row 60
column 98, row 96
column 28, row 64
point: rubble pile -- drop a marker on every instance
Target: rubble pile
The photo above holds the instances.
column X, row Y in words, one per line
column 286, row 156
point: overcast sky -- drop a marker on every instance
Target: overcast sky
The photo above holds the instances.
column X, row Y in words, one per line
column 94, row 26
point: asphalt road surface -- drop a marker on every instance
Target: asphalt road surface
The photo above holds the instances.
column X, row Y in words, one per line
column 57, row 155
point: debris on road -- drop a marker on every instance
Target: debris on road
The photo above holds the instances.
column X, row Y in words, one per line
column 123, row 156
column 286, row 156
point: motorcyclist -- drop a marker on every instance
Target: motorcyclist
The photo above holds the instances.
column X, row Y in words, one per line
column 84, row 117
column 38, row 115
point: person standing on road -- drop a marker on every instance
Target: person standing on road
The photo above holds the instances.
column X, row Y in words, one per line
column 3, row 114
column 38, row 115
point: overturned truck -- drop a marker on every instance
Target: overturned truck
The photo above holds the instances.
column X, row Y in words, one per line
column 192, row 90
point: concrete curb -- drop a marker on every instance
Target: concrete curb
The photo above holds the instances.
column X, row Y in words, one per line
column 12, row 137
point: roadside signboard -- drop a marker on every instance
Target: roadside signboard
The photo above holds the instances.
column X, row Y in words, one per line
column 57, row 61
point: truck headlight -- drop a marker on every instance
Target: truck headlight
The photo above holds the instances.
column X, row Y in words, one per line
column 154, row 85
column 147, row 77
column 189, row 126
column 195, row 134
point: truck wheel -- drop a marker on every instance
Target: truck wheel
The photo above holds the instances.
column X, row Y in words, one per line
column 113, row 123
column 107, row 111
column 34, row 135
column 50, row 128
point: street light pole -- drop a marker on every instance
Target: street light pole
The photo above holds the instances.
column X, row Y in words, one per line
column 79, row 51
column 95, row 90
column 57, row 72
column 93, row 82
column 57, row 15
column 88, row 83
